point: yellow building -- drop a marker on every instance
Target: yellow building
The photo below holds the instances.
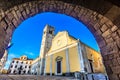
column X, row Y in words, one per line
column 4, row 71
column 67, row 55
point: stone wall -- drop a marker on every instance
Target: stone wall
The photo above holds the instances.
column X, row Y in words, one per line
column 105, row 27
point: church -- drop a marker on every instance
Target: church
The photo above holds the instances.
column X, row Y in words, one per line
column 62, row 54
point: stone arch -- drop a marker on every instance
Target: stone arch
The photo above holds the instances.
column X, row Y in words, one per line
column 58, row 58
column 106, row 33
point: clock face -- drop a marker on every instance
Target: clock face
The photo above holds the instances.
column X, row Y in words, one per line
column 58, row 42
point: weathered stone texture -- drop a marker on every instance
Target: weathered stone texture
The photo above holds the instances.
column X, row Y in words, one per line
column 114, row 28
column 3, row 24
column 106, row 32
column 104, row 28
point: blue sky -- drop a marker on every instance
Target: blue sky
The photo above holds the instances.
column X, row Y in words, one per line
column 27, row 37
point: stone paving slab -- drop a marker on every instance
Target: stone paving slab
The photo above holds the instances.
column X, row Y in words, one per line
column 33, row 77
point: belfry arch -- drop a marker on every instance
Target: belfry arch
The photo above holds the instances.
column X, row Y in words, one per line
column 105, row 29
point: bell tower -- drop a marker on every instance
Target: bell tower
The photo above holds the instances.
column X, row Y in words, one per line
column 48, row 34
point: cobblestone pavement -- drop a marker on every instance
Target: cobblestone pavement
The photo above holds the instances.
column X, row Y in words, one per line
column 33, row 77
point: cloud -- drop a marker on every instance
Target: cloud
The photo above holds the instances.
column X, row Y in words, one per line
column 29, row 54
column 13, row 55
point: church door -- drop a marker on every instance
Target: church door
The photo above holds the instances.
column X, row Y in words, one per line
column 58, row 67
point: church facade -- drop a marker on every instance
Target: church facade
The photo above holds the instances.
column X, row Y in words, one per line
column 62, row 54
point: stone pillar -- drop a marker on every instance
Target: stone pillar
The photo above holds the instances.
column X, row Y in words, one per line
column 45, row 66
column 51, row 65
column 42, row 63
column 81, row 59
column 67, row 62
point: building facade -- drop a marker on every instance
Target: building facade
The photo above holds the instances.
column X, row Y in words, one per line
column 48, row 34
column 35, row 66
column 3, row 61
column 67, row 55
column 20, row 65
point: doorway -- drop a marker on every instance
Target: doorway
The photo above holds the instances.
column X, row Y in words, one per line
column 91, row 65
column 59, row 67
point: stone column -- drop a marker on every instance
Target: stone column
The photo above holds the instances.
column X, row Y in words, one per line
column 51, row 65
column 67, row 61
column 45, row 66
column 81, row 59
column 42, row 63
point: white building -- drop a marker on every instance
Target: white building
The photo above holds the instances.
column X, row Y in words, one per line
column 3, row 61
column 35, row 66
column 20, row 65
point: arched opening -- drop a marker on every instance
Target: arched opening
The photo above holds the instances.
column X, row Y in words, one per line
column 106, row 33
column 27, row 37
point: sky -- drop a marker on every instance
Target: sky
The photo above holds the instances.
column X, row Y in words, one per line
column 27, row 37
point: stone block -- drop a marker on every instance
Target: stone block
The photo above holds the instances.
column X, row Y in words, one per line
column 9, row 31
column 118, row 32
column 109, row 70
column 114, row 28
column 116, row 69
column 3, row 24
column 20, row 17
column 113, row 77
column 105, row 58
column 103, row 20
column 118, row 42
column 15, row 23
column 15, row 8
column 118, row 59
column 111, row 56
column 104, row 28
column 27, row 10
column 2, row 32
column 15, row 15
column 32, row 12
column 112, row 47
column 104, row 51
column 77, row 9
column 116, row 55
column 10, row 16
column 102, row 44
column 109, row 24
column 115, row 62
column 24, row 14
column 114, row 34
column 97, row 26
column 70, row 9
column 91, row 28
column 106, row 33
column 109, row 40
column 20, row 7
